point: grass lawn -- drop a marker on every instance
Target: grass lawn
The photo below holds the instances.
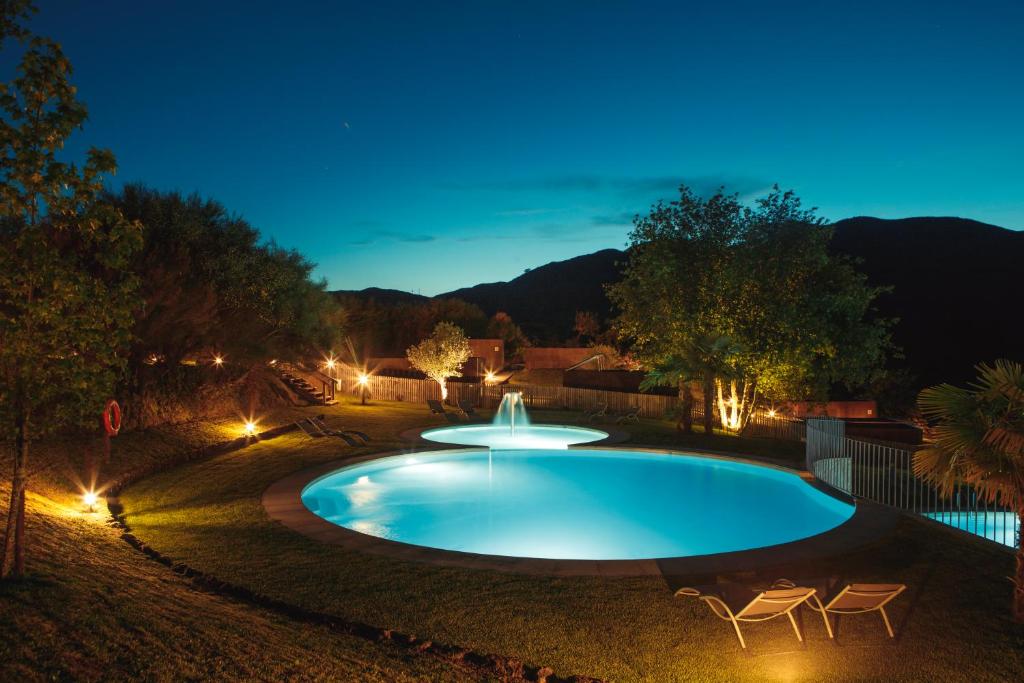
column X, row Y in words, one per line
column 94, row 609
column 952, row 623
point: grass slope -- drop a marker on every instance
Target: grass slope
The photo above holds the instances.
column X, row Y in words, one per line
column 953, row 621
column 94, row 609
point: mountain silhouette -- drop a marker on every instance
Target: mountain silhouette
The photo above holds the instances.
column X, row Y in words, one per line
column 956, row 291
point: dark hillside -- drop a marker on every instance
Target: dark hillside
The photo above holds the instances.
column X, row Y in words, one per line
column 544, row 301
column 957, row 289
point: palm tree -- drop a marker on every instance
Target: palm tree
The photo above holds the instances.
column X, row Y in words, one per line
column 978, row 440
column 700, row 361
column 681, row 371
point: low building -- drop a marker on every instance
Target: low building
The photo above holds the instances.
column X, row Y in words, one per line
column 558, row 358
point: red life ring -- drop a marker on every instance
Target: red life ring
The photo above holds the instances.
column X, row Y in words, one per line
column 112, row 418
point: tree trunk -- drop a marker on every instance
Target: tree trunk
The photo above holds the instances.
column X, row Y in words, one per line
column 685, row 422
column 13, row 563
column 709, row 403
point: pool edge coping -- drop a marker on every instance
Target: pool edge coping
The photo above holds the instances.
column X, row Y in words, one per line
column 869, row 522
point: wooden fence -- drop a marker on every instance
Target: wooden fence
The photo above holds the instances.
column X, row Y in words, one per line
column 761, row 424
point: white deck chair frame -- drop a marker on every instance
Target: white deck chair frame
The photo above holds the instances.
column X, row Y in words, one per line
column 886, row 593
column 786, row 605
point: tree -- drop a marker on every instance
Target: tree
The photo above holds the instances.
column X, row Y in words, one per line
column 440, row 355
column 585, row 326
column 210, row 287
column 703, row 362
column 978, row 440
column 798, row 318
column 66, row 290
column 501, row 326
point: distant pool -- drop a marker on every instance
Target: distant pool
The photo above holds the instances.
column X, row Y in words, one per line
column 591, row 504
column 1001, row 527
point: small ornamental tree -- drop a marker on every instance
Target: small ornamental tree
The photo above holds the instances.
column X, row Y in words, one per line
column 978, row 440
column 66, row 291
column 440, row 355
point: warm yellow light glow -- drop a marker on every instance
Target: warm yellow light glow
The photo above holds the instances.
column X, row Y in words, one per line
column 250, row 428
column 771, row 412
column 363, row 380
column 218, row 360
column 330, row 363
column 489, row 377
column 89, row 498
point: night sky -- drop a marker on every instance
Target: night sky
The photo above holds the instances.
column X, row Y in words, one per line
column 422, row 147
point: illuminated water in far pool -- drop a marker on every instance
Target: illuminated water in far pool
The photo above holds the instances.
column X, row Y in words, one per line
column 573, row 504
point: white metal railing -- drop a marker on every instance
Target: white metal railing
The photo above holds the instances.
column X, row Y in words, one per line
column 883, row 473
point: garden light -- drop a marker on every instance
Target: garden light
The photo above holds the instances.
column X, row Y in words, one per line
column 250, row 428
column 218, row 360
column 771, row 412
column 90, row 498
column 363, row 379
column 489, row 377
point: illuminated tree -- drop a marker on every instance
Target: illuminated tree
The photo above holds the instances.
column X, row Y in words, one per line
column 979, row 441
column 440, row 355
column 798, row 317
column 66, row 289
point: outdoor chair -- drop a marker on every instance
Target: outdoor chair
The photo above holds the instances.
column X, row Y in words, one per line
column 309, row 429
column 436, row 407
column 322, row 426
column 467, row 408
column 631, row 414
column 734, row 604
column 319, row 430
column 860, row 598
column 599, row 411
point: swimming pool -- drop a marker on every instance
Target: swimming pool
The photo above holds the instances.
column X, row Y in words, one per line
column 587, row 504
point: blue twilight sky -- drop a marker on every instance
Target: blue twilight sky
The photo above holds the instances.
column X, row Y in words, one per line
column 428, row 145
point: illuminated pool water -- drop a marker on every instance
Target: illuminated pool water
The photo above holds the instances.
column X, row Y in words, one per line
column 501, row 436
column 589, row 504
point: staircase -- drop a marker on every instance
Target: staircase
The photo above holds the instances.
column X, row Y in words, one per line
column 297, row 380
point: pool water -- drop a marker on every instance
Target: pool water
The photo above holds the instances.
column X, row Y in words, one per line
column 589, row 504
column 1001, row 527
column 502, row 436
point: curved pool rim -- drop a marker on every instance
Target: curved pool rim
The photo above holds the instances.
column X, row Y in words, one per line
column 282, row 501
column 614, row 435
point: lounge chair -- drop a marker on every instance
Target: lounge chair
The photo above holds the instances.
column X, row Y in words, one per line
column 859, row 598
column 631, row 414
column 310, row 430
column 318, row 431
column 437, row 408
column 735, row 604
column 468, row 410
column 600, row 410
column 318, row 421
